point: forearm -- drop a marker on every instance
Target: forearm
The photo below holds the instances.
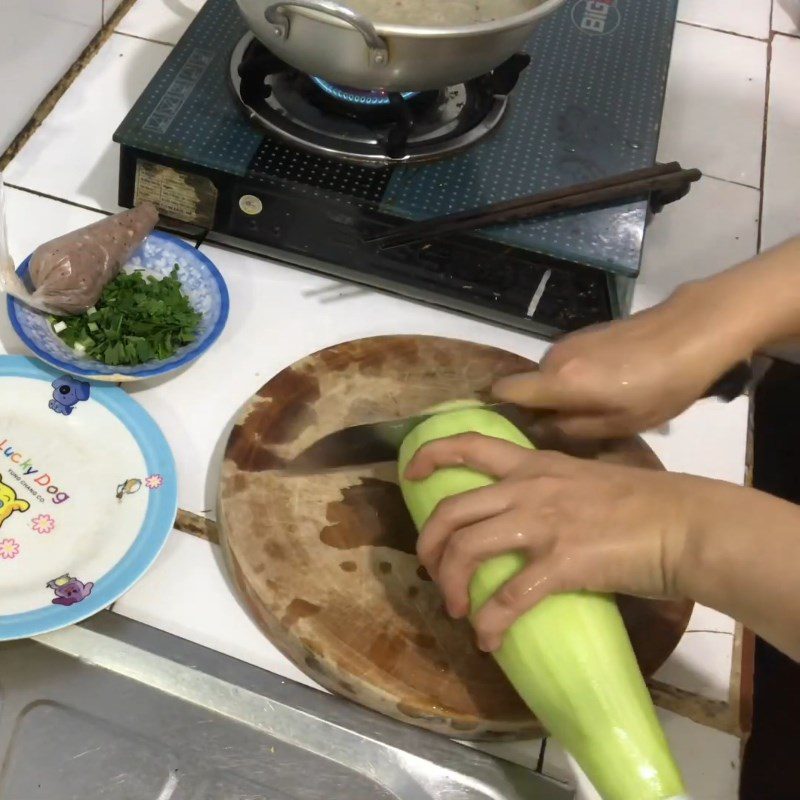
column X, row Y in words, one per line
column 742, row 557
column 757, row 303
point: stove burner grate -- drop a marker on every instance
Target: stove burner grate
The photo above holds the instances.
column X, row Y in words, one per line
column 361, row 97
column 368, row 127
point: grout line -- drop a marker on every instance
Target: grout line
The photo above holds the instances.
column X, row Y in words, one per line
column 735, row 183
column 144, row 38
column 709, row 630
column 764, row 132
column 540, row 762
column 194, row 241
column 59, row 199
column 57, row 92
column 722, row 30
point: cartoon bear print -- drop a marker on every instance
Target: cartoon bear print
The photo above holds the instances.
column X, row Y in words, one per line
column 9, row 503
column 67, row 393
column 69, row 590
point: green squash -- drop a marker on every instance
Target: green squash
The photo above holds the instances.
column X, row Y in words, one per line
column 569, row 657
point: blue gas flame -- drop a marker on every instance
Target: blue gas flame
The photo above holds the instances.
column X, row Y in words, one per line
column 357, row 96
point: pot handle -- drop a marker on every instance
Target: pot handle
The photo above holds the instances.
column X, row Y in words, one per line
column 276, row 16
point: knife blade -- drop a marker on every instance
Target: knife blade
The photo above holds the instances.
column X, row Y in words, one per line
column 375, row 442
column 367, row 444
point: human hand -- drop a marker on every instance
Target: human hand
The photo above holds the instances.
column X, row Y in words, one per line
column 619, row 379
column 583, row 525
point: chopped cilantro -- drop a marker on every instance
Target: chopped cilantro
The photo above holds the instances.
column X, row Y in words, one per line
column 137, row 319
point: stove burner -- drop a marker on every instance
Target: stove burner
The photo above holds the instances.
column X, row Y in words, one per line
column 377, row 97
column 368, row 127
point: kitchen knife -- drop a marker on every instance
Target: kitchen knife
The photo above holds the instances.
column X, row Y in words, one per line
column 375, row 442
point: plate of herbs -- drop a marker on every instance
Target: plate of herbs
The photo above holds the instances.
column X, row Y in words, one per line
column 166, row 307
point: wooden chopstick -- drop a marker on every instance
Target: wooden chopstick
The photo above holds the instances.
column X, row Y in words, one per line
column 598, row 192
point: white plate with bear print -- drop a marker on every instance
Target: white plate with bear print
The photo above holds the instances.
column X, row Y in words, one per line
column 87, row 497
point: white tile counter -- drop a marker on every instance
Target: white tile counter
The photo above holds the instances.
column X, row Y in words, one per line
column 714, row 119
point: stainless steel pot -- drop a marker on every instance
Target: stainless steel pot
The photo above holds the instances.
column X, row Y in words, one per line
column 327, row 39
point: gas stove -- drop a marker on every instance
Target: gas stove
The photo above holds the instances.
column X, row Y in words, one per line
column 228, row 139
column 374, row 127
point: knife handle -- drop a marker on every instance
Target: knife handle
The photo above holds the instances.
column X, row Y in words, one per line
column 733, row 383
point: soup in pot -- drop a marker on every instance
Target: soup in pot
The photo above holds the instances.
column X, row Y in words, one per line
column 441, row 13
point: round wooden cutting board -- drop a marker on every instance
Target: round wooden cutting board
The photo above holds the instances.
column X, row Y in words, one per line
column 327, row 562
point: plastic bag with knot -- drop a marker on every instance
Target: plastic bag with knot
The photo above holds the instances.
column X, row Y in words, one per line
column 67, row 275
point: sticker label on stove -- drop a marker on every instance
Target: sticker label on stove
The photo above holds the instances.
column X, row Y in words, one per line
column 178, row 91
column 596, row 17
column 180, row 195
column 251, row 205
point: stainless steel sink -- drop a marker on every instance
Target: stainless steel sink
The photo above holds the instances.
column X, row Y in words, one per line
column 115, row 710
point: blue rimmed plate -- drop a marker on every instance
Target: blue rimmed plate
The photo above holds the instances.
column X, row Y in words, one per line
column 200, row 280
column 88, row 496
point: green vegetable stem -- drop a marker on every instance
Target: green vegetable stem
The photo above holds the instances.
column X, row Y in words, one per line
column 138, row 318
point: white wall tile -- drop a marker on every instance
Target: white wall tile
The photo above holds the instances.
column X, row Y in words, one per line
column 714, row 108
column 71, row 155
column 782, row 167
column 32, row 220
column 702, row 661
column 701, row 664
column 39, row 41
column 160, row 20
column 707, row 620
column 712, row 437
column 786, row 16
column 109, row 7
column 714, row 227
column 525, row 753
column 747, row 17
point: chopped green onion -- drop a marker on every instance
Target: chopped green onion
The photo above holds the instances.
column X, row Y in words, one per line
column 138, row 318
